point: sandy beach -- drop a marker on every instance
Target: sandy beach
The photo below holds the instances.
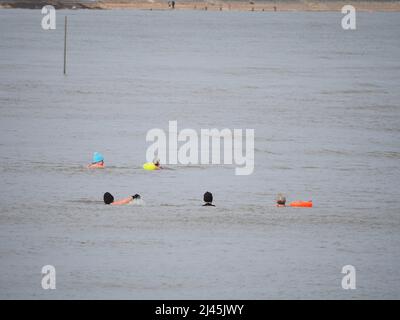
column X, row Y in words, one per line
column 252, row 5
column 369, row 6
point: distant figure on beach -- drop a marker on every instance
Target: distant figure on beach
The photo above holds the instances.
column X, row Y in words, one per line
column 97, row 161
column 280, row 200
column 109, row 199
column 208, row 199
column 171, row 4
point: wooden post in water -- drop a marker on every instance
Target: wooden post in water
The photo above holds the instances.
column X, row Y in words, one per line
column 65, row 46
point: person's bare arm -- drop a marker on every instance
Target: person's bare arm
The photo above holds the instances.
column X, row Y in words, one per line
column 95, row 165
column 122, row 201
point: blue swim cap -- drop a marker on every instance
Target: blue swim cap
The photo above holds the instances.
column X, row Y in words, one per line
column 97, row 157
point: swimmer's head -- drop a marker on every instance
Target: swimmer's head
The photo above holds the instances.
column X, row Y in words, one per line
column 108, row 198
column 136, row 196
column 156, row 161
column 208, row 197
column 97, row 157
column 280, row 199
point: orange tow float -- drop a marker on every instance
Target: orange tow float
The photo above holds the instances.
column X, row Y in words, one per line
column 301, row 204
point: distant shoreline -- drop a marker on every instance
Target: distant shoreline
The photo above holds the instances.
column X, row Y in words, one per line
column 294, row 6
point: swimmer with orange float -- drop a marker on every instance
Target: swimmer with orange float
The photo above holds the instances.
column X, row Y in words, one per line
column 281, row 202
column 97, row 162
column 109, row 199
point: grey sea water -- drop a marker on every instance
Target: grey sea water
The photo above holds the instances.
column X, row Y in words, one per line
column 324, row 104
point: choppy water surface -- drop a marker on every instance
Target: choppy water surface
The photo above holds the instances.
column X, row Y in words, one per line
column 324, row 104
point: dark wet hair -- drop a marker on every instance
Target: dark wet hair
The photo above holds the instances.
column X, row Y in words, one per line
column 108, row 198
column 208, row 197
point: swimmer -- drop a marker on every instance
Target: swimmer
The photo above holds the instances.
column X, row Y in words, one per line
column 280, row 200
column 109, row 199
column 97, row 162
column 156, row 162
column 208, row 199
